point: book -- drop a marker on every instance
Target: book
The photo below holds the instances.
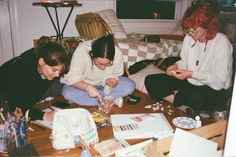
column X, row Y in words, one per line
column 47, row 124
column 133, row 126
column 134, row 150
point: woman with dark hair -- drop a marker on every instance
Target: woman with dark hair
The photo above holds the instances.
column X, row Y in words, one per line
column 95, row 70
column 24, row 79
column 203, row 74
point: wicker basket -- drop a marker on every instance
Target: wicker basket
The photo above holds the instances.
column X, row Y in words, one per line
column 91, row 26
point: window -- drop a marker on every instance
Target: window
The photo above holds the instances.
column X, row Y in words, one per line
column 145, row 9
column 227, row 5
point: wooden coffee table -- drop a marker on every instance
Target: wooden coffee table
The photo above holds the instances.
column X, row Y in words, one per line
column 40, row 138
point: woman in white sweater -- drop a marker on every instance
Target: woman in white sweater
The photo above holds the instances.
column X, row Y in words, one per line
column 203, row 74
column 96, row 69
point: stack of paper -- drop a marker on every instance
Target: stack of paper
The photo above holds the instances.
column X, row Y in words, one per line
column 199, row 146
column 132, row 126
column 137, row 150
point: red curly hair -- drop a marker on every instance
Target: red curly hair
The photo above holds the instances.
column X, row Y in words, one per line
column 202, row 14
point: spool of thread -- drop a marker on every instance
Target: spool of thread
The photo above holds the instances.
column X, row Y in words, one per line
column 119, row 102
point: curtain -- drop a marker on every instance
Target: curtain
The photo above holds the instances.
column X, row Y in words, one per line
column 181, row 6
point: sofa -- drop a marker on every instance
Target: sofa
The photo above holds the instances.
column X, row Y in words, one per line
column 133, row 45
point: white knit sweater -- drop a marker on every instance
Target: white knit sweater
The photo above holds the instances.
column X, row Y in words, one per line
column 214, row 64
column 83, row 69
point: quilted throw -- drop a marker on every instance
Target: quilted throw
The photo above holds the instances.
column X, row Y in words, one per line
column 134, row 49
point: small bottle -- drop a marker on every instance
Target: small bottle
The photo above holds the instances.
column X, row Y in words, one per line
column 198, row 122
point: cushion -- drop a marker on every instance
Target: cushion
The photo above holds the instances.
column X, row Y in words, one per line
column 113, row 22
column 139, row 77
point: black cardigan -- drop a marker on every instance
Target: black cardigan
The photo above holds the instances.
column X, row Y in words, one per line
column 21, row 83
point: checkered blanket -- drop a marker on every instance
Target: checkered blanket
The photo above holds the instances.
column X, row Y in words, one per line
column 134, row 49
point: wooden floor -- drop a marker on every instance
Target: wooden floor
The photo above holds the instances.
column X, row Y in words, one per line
column 40, row 138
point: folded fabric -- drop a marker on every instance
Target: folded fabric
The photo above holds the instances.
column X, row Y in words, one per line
column 68, row 124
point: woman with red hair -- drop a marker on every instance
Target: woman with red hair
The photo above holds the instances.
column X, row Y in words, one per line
column 203, row 74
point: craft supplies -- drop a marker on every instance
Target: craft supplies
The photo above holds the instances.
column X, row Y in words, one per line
column 100, row 119
column 106, row 104
column 12, row 129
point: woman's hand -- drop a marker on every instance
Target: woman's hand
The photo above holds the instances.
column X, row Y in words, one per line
column 49, row 116
column 112, row 82
column 171, row 68
column 181, row 74
column 92, row 91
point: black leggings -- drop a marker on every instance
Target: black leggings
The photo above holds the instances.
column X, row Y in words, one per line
column 197, row 97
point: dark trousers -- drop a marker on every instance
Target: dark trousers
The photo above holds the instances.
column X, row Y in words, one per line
column 197, row 97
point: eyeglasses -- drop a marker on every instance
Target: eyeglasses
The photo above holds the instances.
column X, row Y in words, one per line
column 191, row 30
column 101, row 64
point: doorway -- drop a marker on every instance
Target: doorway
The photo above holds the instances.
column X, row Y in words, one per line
column 6, row 49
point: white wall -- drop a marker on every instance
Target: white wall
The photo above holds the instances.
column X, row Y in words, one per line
column 30, row 22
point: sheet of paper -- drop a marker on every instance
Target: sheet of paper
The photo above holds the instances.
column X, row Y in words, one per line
column 185, row 143
column 131, row 126
column 47, row 124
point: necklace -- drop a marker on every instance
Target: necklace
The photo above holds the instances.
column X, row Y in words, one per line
column 201, row 52
column 197, row 62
